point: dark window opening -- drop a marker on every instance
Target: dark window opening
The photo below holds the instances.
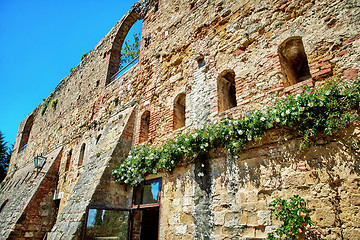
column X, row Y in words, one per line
column 26, row 133
column 81, row 156
column 179, row 111
column 146, row 203
column 144, row 127
column 98, row 138
column 3, row 204
column 200, row 60
column 294, row 61
column 145, row 224
column 226, row 90
column 68, row 161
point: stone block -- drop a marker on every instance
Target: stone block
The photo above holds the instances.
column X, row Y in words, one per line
column 264, row 217
column 324, row 217
column 219, row 218
column 180, row 229
column 351, row 234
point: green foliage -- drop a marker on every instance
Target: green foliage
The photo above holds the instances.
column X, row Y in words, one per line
column 5, row 155
column 98, row 154
column 46, row 104
column 294, row 215
column 307, row 114
column 84, row 56
column 72, row 69
column 130, row 50
column 54, row 103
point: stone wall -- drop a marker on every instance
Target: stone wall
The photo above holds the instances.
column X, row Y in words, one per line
column 186, row 47
column 232, row 199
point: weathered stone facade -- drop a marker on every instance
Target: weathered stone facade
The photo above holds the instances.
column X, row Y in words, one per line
column 193, row 54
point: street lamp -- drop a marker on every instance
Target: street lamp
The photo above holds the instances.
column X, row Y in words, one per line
column 39, row 162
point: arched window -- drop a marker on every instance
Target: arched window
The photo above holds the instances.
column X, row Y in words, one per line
column 144, row 127
column 26, row 133
column 68, row 161
column 179, row 111
column 126, row 46
column 81, row 156
column 226, row 90
column 294, row 61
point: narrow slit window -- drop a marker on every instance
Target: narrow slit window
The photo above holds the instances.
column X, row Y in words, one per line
column 226, row 90
column 81, row 156
column 144, row 127
column 67, row 166
column 179, row 111
column 293, row 61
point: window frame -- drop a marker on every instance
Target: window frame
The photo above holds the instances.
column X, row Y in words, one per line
column 129, row 228
column 149, row 205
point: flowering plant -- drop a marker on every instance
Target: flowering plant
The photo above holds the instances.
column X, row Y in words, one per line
column 314, row 111
column 294, row 215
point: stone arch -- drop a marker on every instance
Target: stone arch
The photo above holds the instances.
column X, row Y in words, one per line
column 25, row 135
column 179, row 111
column 81, row 155
column 226, row 90
column 137, row 12
column 144, row 127
column 293, row 61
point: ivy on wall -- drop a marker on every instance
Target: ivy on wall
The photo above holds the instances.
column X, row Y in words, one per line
column 314, row 111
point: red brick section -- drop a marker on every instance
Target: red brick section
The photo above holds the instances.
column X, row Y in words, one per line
column 351, row 74
column 297, row 87
column 321, row 68
column 38, row 217
column 351, row 40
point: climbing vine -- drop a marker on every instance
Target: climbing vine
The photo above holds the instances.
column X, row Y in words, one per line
column 294, row 215
column 314, row 111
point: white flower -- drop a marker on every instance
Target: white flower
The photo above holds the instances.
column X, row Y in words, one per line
column 301, row 109
column 282, row 114
column 274, row 111
column 288, row 111
column 327, row 93
column 240, row 132
column 196, row 135
column 277, row 120
column 202, row 147
column 236, row 122
column 206, row 144
column 186, row 139
column 293, row 108
column 262, row 119
column 235, row 144
column 249, row 138
column 172, row 161
column 200, row 174
column 310, row 104
column 202, row 165
column 321, row 104
column 154, row 171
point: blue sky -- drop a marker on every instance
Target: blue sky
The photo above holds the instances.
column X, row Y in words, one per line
column 40, row 41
